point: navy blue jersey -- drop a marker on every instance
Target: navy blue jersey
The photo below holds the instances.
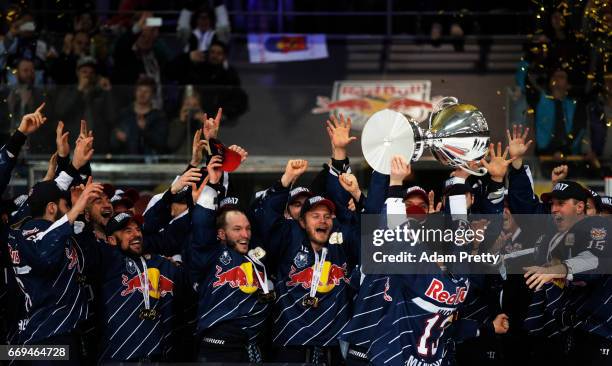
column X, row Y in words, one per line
column 225, row 280
column 294, row 323
column 8, row 157
column 127, row 333
column 584, row 301
column 401, row 319
column 49, row 267
column 521, row 197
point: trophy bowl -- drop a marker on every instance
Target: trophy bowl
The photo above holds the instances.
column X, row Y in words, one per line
column 457, row 135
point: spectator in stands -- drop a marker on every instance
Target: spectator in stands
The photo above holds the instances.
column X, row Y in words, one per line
column 61, row 68
column 86, row 21
column 203, row 34
column 22, row 41
column 140, row 52
column 142, row 129
column 226, row 92
column 559, row 119
column 600, row 119
column 22, row 98
column 89, row 99
column 216, row 81
column 563, row 44
column 181, row 130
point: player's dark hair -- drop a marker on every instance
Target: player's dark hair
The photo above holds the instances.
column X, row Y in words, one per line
column 37, row 209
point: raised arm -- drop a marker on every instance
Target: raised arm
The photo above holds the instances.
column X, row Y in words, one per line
column 338, row 131
column 161, row 236
column 521, row 198
column 45, row 250
column 204, row 243
column 274, row 224
column 30, row 123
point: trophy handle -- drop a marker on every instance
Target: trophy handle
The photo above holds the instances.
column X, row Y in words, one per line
column 479, row 172
column 443, row 103
column 440, row 105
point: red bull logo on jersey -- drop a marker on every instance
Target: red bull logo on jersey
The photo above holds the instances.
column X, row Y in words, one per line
column 360, row 99
column 386, row 295
column 331, row 276
column 159, row 285
column 14, row 254
column 73, row 257
column 437, row 292
column 241, row 277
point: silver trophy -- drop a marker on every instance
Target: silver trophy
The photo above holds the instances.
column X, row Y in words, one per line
column 457, row 135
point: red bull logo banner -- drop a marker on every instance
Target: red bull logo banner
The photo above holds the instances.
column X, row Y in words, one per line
column 360, row 99
column 264, row 48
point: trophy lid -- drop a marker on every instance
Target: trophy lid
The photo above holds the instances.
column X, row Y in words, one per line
column 387, row 133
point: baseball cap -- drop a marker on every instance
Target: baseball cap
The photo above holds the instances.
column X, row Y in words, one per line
column 126, row 198
column 231, row 159
column 87, row 61
column 45, row 192
column 315, row 201
column 457, row 189
column 606, row 203
column 297, row 192
column 119, row 222
column 229, row 203
column 566, row 189
column 456, row 186
column 417, row 191
column 596, row 198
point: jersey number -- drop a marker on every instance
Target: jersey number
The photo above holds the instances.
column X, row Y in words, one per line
column 597, row 244
column 427, row 346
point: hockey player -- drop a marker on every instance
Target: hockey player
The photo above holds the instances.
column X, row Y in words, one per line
column 49, row 265
column 313, row 254
column 234, row 292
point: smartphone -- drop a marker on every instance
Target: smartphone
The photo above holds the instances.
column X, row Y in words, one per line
column 153, row 22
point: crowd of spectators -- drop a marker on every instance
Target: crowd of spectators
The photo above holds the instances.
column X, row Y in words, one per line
column 564, row 81
column 119, row 74
column 144, row 93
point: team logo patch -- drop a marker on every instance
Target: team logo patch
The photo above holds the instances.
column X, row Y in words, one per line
column 331, row 276
column 73, row 258
column 437, row 292
column 159, row 285
column 598, row 233
column 386, row 296
column 336, row 238
column 225, row 258
column 130, row 267
column 300, row 260
column 242, row 277
column 28, row 234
